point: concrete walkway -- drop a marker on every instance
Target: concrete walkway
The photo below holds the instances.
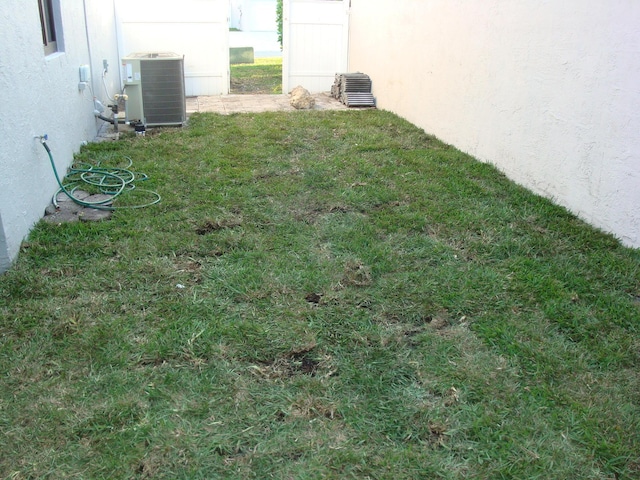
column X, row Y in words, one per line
column 227, row 104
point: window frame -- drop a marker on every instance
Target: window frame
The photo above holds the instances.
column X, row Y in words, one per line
column 50, row 26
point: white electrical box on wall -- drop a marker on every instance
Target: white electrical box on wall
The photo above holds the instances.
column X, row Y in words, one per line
column 154, row 84
column 85, row 73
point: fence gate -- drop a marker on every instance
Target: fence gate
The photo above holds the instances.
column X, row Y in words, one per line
column 315, row 43
column 197, row 29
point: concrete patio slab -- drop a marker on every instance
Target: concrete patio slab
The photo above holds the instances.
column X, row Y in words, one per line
column 228, row 104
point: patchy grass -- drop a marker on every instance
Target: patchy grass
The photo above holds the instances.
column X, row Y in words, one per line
column 264, row 76
column 320, row 295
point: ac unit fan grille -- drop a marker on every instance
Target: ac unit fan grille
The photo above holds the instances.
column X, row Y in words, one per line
column 163, row 91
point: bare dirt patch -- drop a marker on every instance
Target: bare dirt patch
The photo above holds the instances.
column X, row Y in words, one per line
column 209, row 226
column 300, row 361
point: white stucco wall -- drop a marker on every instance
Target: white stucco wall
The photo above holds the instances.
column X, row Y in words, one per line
column 41, row 95
column 548, row 91
column 103, row 40
column 5, row 261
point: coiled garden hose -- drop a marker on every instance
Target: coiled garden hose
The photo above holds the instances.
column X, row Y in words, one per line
column 111, row 181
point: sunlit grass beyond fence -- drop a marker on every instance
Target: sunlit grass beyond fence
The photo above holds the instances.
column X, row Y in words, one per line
column 264, row 76
column 319, row 295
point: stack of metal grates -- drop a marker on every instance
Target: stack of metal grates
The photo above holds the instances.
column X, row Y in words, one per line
column 353, row 89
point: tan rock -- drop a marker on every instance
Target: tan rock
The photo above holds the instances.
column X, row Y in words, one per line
column 301, row 99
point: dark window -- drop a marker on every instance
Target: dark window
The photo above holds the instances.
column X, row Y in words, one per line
column 48, row 24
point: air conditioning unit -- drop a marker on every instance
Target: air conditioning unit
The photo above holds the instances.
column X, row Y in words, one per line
column 154, row 85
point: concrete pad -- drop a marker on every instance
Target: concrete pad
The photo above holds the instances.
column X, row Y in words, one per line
column 69, row 211
column 78, row 194
column 228, row 104
column 61, row 216
column 94, row 215
column 100, row 199
column 66, row 205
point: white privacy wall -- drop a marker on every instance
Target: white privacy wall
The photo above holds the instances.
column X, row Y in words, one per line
column 41, row 95
column 547, row 90
column 196, row 29
column 316, row 43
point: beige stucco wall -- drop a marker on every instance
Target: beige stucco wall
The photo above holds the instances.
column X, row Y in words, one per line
column 548, row 91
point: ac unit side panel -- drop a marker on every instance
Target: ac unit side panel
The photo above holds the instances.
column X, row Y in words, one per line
column 133, row 105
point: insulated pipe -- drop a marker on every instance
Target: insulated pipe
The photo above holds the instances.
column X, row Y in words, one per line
column 110, row 120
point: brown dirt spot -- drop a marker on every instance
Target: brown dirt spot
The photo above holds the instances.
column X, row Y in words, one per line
column 304, row 363
column 439, row 322
column 356, row 274
column 310, row 407
column 339, row 209
column 412, row 332
column 438, row 432
column 299, row 361
column 209, row 226
column 189, row 266
column 313, row 297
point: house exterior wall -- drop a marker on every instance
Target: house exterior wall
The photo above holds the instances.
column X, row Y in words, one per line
column 548, row 91
column 5, row 260
column 41, row 95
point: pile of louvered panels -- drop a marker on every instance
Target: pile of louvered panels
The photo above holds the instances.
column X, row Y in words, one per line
column 353, row 89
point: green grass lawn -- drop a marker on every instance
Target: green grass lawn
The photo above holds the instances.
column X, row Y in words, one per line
column 319, row 295
column 264, row 76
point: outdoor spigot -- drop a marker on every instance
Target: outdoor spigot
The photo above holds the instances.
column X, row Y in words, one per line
column 43, row 140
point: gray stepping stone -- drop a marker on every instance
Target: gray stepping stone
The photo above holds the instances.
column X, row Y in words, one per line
column 94, row 215
column 61, row 216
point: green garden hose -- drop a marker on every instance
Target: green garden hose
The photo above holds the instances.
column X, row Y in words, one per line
column 111, row 181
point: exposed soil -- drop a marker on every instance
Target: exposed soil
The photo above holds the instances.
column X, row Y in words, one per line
column 212, row 226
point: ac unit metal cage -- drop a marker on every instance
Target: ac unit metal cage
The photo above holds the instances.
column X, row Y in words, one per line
column 154, row 84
